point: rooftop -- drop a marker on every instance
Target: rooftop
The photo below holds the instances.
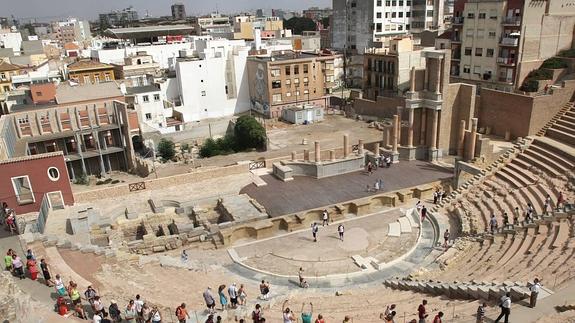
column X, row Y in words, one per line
column 149, row 31
column 66, row 93
column 141, row 89
column 5, row 67
column 87, row 65
column 31, row 157
column 286, row 56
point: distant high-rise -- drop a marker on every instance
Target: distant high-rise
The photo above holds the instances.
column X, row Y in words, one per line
column 178, row 11
column 121, row 18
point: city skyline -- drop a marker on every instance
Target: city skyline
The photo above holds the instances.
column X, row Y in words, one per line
column 43, row 11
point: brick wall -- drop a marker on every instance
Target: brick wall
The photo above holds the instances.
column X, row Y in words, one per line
column 383, row 107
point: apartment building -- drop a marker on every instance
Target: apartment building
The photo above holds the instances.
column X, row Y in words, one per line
column 118, row 18
column 288, row 79
column 139, row 69
column 178, row 11
column 71, row 30
column 387, row 70
column 495, row 44
column 7, row 72
column 90, row 72
column 245, row 26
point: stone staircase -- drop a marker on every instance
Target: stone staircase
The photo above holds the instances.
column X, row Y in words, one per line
column 558, row 116
column 473, row 290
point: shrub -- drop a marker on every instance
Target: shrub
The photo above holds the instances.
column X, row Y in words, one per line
column 540, row 74
column 568, row 53
column 249, row 133
column 530, row 85
column 554, row 63
column 82, row 179
column 209, row 148
column 166, row 149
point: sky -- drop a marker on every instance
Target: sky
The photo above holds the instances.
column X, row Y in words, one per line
column 89, row 9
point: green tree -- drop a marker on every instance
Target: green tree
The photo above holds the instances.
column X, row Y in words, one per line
column 166, row 149
column 249, row 133
column 209, row 148
column 325, row 22
column 299, row 24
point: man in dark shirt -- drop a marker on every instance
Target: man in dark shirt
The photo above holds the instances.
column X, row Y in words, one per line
column 421, row 312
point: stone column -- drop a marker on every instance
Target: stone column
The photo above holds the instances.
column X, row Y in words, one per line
column 394, row 134
column 399, row 125
column 317, row 152
column 376, row 149
column 332, row 155
column 410, row 131
column 425, row 79
column 387, row 143
column 306, row 154
column 434, row 117
column 360, row 147
column 471, row 145
column 293, row 156
column 412, row 80
column 461, row 139
column 345, row 146
column 423, row 133
column 438, row 77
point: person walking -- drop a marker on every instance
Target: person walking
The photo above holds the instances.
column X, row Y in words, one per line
column 59, row 285
column 46, row 272
column 302, row 281
column 423, row 213
column 376, row 186
column 422, row 311
column 314, row 230
column 139, row 306
column 505, row 305
column 265, row 290
column 446, row 238
column 257, row 314
column 74, row 293
column 493, row 224
column 534, row 289
column 560, row 201
column 547, row 205
column 340, row 231
column 182, row 313
column 209, row 299
column 233, row 293
column 90, row 294
column 481, row 312
column 516, row 213
column 435, row 196
column 98, row 305
column 223, row 298
column 325, row 218
column 8, row 259
column 369, row 168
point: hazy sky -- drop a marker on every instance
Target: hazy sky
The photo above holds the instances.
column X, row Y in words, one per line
column 47, row 9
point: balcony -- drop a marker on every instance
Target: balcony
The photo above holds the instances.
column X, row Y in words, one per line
column 458, row 20
column 508, row 41
column 510, row 61
column 506, row 80
column 456, row 39
column 511, row 21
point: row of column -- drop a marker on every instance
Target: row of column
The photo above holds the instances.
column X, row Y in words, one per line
column 346, row 150
column 396, row 130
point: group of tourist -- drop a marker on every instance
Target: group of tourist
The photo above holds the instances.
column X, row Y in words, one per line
column 325, row 221
column 15, row 264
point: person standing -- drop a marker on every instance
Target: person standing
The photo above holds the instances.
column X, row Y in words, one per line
column 98, row 305
column 257, row 314
column 423, row 213
column 314, row 230
column 209, row 299
column 481, row 312
column 376, row 186
column 31, row 267
column 46, row 272
column 505, row 305
column 233, row 293
column 547, row 205
column 516, row 216
column 115, row 313
column 8, row 259
column 182, row 313
column 138, row 306
column 446, row 238
column 560, row 201
column 493, row 224
column 287, row 314
column 17, row 266
column 325, row 218
column 437, row 318
column 340, row 231
column 223, row 298
column 59, row 285
column 155, row 315
column 90, row 294
column 306, row 317
column 74, row 293
column 435, row 196
column 242, row 294
column 422, row 311
column 534, row 289
column 130, row 312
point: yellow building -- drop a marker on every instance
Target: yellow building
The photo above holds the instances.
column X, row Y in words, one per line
column 90, row 72
column 244, row 26
column 7, row 70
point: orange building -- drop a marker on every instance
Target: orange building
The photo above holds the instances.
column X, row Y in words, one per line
column 90, row 72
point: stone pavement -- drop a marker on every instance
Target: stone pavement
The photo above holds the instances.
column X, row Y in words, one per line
column 305, row 193
column 545, row 307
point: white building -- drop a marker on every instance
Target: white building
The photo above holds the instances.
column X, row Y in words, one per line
column 11, row 38
column 155, row 113
column 213, row 83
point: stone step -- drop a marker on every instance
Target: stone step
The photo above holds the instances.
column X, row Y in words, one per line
column 394, row 229
column 404, row 224
column 561, row 136
column 565, row 128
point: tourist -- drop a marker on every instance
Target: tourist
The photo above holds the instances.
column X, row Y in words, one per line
column 11, row 223
column 8, row 260
column 210, row 319
column 59, row 285
column 437, row 318
column 184, row 256
column 265, row 290
column 388, row 161
column 306, row 317
column 529, row 213
column 314, row 230
column 391, row 317
column 242, row 294
column 17, row 266
column 233, row 293
column 346, row 319
column 182, row 313
column 505, row 220
column 130, row 312
column 32, row 268
column 534, row 289
column 481, row 312
column 388, row 310
column 80, row 313
column 560, row 201
column 257, row 315
column 30, row 254
column 302, row 281
column 209, row 299
column 146, row 310
column 97, row 305
column 46, row 272
column 547, row 205
column 319, row 319
column 435, row 196
column 325, row 218
column 422, row 312
column 287, row 314
column 105, row 318
column 114, row 311
column 340, row 231
column 97, row 318
column 223, row 298
column 418, row 206
column 516, row 213
column 376, row 186
column 155, row 315
column 380, row 181
column 446, row 238
column 74, row 293
column 369, row 168
column 90, row 294
column 493, row 223
column 138, row 306
column 505, row 305
column 61, row 306
column 423, row 213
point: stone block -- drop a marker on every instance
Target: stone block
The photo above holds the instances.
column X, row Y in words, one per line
column 159, row 249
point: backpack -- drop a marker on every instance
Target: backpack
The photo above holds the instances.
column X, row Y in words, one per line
column 255, row 316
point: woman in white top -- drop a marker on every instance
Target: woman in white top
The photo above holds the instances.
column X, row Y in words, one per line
column 155, row 315
column 287, row 313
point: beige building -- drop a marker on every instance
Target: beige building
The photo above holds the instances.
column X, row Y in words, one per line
column 90, row 72
column 244, row 26
column 287, row 78
column 6, row 72
column 495, row 44
column 138, row 69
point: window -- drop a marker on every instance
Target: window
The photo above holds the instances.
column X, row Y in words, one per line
column 466, row 69
column 394, row 3
column 276, row 84
column 387, row 15
column 53, row 174
column 489, row 52
column 491, row 34
column 296, row 81
column 480, row 33
column 481, row 15
column 297, row 93
column 387, row 3
column 479, row 51
column 400, row 14
column 288, row 70
column 305, row 68
column 148, row 116
column 378, row 27
column 288, row 94
column 87, row 79
column 469, row 33
column 393, row 15
column 277, row 98
column 96, row 79
column 296, row 69
column 146, row 98
column 107, row 77
column 23, row 190
column 156, row 97
column 305, row 91
column 408, row 14
column 378, row 15
column 38, row 93
column 203, row 93
column 379, row 3
column 467, row 51
column 275, row 72
column 288, row 82
column 493, row 14
column 471, row 15
column 477, row 69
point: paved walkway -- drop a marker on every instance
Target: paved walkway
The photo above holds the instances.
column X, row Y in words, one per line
column 305, row 193
column 545, row 307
